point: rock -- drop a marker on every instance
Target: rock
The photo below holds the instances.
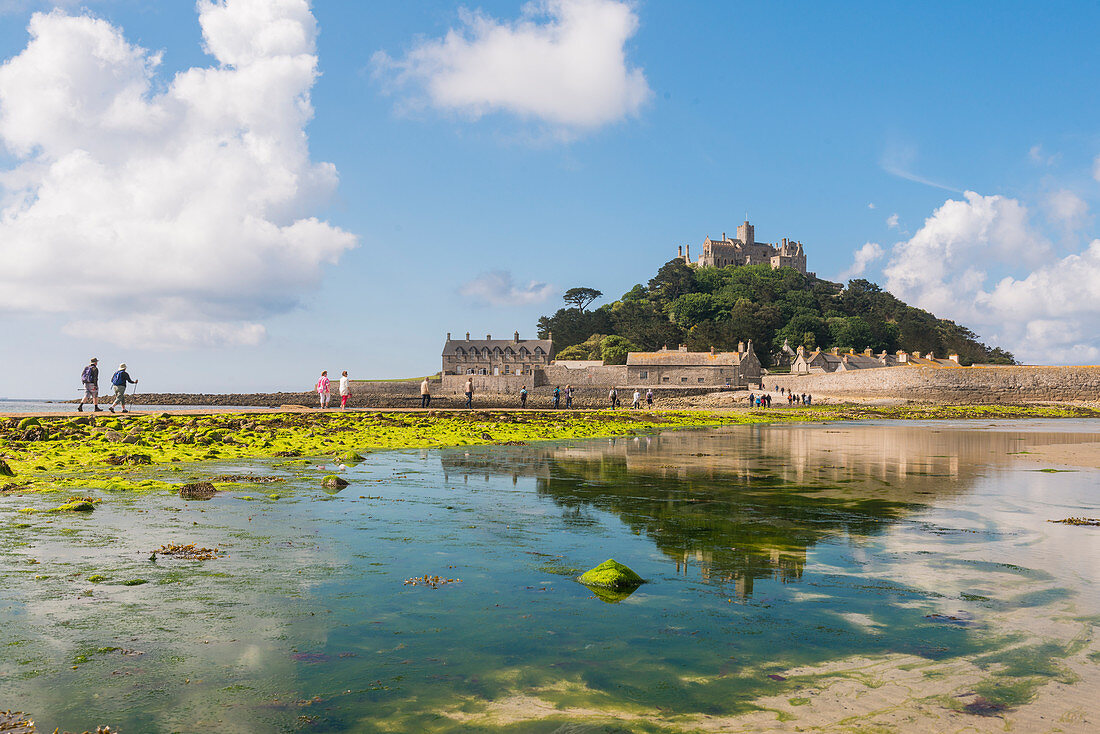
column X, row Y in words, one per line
column 83, row 420
column 331, row 481
column 132, row 438
column 485, row 436
column 75, row 506
column 611, row 575
column 198, row 491
column 27, row 423
column 113, row 436
column 5, row 470
column 350, row 457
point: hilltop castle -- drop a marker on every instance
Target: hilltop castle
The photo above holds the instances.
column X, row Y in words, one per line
column 745, row 250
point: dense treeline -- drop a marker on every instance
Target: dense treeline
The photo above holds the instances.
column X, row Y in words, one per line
column 718, row 307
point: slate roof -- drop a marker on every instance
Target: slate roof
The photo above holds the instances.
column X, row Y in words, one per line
column 451, row 346
column 677, row 358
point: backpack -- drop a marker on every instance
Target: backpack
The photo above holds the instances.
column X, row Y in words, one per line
column 118, row 380
column 86, row 375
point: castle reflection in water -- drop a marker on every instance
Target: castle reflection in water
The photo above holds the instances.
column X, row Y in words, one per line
column 745, row 503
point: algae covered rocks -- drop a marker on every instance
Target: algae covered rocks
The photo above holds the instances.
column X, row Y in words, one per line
column 198, row 491
column 331, row 481
column 611, row 575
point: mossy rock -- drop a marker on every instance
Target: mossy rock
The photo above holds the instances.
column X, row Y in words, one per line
column 27, row 423
column 74, row 506
column 96, row 578
column 331, row 481
column 611, row 575
column 350, row 457
column 198, row 491
column 5, row 470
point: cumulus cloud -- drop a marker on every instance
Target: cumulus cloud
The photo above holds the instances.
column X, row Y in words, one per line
column 563, row 62
column 177, row 209
column 1048, row 313
column 1067, row 209
column 498, row 288
column 861, row 258
column 892, row 221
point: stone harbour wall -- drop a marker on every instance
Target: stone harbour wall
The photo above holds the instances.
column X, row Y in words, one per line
column 971, row 385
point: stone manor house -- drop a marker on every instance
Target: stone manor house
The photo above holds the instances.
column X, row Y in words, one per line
column 745, row 250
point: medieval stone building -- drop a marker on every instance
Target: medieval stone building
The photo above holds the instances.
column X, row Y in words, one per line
column 745, row 250
column 496, row 357
column 681, row 368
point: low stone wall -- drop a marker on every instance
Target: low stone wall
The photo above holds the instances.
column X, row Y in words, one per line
column 972, row 385
column 597, row 376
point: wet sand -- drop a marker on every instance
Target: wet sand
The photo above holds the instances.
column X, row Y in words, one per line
column 1065, row 454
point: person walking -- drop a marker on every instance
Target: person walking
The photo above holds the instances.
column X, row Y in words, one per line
column 557, row 397
column 322, row 387
column 90, row 378
column 523, row 397
column 568, row 397
column 425, row 394
column 649, row 396
column 613, row 397
column 345, row 390
column 469, row 392
column 637, row 399
column 119, row 382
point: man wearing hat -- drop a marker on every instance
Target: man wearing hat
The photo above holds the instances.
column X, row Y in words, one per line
column 119, row 381
column 90, row 378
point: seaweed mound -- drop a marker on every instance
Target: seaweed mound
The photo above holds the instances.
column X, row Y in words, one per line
column 611, row 575
column 5, row 470
column 331, row 481
column 198, row 491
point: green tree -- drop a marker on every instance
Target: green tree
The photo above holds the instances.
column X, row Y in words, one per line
column 674, row 279
column 613, row 349
column 581, row 297
column 691, row 308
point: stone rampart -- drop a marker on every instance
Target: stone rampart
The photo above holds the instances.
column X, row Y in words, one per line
column 973, row 385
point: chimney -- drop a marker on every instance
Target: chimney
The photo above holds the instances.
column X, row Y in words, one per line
column 916, row 355
column 867, row 352
column 682, row 347
column 723, row 236
column 902, row 357
column 712, row 350
column 448, row 336
column 835, row 351
column 467, row 336
column 801, row 351
column 680, row 251
column 488, row 337
column 515, row 337
column 954, row 358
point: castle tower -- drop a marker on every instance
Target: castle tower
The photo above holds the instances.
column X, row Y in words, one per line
column 746, row 234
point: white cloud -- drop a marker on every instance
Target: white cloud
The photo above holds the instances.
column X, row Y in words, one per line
column 563, row 62
column 892, row 221
column 871, row 205
column 179, row 210
column 497, row 288
column 1067, row 209
column 945, row 260
column 1040, row 157
column 861, row 258
column 1049, row 314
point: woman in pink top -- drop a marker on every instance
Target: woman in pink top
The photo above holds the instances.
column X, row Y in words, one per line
column 322, row 389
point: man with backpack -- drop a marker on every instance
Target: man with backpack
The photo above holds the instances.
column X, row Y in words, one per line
column 90, row 378
column 119, row 381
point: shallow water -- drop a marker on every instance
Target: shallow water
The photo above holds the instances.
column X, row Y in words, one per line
column 779, row 559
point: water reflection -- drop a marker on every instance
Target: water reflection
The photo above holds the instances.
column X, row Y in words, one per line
column 746, row 503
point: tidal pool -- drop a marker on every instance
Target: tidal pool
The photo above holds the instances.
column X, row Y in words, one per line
column 870, row 576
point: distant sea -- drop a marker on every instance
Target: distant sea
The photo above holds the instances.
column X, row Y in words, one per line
column 56, row 406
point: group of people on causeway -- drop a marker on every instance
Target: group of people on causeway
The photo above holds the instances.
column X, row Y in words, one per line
column 764, row 400
column 89, row 377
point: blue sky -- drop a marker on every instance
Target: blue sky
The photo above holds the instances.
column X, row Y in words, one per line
column 469, row 198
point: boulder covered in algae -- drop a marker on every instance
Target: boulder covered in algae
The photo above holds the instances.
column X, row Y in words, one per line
column 331, row 481
column 198, row 491
column 611, row 575
column 5, row 470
